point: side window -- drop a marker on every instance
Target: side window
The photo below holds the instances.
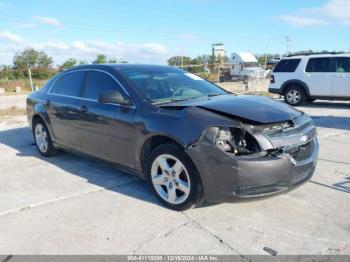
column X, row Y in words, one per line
column 319, row 65
column 69, row 84
column 342, row 64
column 98, row 82
column 287, row 65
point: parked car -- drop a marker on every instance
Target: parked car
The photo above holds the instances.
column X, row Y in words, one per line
column 189, row 138
column 311, row 77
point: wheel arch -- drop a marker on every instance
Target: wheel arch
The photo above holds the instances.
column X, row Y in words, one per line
column 152, row 142
column 41, row 116
column 295, row 82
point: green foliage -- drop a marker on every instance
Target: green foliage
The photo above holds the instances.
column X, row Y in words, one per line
column 71, row 62
column 33, row 59
column 83, row 62
column 179, row 60
column 112, row 61
column 100, row 59
column 262, row 58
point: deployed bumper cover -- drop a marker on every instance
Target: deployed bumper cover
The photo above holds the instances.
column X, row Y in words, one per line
column 228, row 177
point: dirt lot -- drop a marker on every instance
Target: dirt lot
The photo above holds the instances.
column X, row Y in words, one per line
column 70, row 205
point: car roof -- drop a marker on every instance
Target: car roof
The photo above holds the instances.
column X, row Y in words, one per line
column 118, row 66
column 316, row 55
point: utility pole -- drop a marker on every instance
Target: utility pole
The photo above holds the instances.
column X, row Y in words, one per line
column 219, row 65
column 288, row 44
column 268, row 47
column 30, row 79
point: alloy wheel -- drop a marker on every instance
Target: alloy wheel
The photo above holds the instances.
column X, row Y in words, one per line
column 170, row 179
column 293, row 96
column 41, row 138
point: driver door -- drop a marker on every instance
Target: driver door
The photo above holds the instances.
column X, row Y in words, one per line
column 108, row 129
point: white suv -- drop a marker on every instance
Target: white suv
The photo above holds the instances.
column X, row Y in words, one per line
column 311, row 77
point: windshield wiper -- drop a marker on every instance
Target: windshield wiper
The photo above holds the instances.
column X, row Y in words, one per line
column 215, row 94
column 174, row 100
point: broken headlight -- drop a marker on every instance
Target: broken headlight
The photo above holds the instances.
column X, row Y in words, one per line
column 276, row 129
column 232, row 140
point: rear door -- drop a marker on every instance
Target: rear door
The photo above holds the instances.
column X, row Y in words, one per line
column 108, row 130
column 64, row 108
column 318, row 76
column 341, row 81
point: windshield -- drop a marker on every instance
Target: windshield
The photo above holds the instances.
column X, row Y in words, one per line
column 165, row 84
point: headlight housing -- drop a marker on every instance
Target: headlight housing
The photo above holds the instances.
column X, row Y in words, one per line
column 232, row 140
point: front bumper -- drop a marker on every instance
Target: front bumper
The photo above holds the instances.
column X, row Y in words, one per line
column 226, row 177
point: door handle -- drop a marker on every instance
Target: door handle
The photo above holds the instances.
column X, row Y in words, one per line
column 307, row 75
column 84, row 109
column 341, row 76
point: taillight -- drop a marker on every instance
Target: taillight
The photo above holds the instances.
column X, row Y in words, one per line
column 272, row 79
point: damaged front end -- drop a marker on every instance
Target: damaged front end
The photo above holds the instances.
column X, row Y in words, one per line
column 255, row 160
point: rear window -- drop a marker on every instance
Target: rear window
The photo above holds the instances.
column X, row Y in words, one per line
column 319, row 65
column 69, row 84
column 287, row 65
column 342, row 64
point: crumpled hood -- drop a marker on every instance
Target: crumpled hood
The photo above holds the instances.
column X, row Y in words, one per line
column 258, row 109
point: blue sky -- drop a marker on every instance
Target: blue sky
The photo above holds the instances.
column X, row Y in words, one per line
column 150, row 31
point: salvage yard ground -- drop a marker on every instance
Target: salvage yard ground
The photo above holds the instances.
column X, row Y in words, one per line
column 70, row 205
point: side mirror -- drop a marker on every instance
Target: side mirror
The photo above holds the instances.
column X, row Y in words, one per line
column 114, row 97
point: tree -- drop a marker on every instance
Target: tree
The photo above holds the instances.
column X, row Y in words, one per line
column 100, row 59
column 179, row 60
column 32, row 58
column 112, row 61
column 83, row 62
column 199, row 60
column 69, row 63
column 44, row 61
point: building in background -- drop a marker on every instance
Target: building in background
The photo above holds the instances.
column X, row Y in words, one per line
column 245, row 64
column 218, row 49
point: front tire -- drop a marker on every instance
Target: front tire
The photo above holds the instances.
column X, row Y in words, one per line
column 294, row 96
column 43, row 139
column 173, row 178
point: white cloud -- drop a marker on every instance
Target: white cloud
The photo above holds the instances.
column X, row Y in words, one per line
column 153, row 53
column 49, row 46
column 299, row 21
column 333, row 11
column 338, row 9
column 48, row 20
column 11, row 37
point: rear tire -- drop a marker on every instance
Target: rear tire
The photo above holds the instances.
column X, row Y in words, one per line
column 43, row 139
column 174, row 178
column 294, row 96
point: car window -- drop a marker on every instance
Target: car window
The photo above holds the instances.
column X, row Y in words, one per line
column 69, row 84
column 97, row 83
column 342, row 64
column 164, row 85
column 48, row 84
column 287, row 65
column 319, row 65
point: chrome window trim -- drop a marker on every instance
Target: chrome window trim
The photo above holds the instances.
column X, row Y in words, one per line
column 88, row 99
